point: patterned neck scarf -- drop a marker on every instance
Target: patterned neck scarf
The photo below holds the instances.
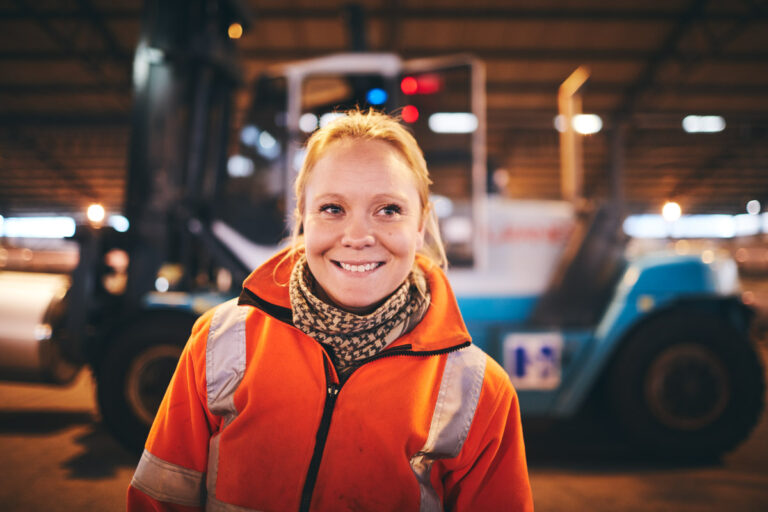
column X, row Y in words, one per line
column 352, row 337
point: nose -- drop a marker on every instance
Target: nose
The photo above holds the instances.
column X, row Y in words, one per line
column 357, row 233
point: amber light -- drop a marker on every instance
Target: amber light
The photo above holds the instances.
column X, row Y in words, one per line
column 235, row 31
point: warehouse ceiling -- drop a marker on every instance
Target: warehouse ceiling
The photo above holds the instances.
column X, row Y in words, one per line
column 65, row 89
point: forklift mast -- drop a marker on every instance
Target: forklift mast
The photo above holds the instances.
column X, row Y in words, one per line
column 184, row 78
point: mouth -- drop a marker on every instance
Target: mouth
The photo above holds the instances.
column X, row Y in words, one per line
column 358, row 268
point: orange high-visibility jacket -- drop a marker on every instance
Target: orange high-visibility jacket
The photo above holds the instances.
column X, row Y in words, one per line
column 255, row 418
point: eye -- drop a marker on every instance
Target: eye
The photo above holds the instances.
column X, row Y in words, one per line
column 391, row 210
column 331, row 208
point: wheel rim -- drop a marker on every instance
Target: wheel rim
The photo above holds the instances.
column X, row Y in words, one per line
column 687, row 387
column 148, row 377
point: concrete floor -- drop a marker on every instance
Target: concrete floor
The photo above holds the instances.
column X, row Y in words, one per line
column 582, row 466
column 56, row 456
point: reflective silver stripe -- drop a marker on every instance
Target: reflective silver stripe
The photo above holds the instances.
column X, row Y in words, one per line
column 225, row 357
column 213, row 465
column 168, row 482
column 224, row 370
column 454, row 410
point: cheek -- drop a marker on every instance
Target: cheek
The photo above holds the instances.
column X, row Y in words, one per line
column 403, row 242
column 315, row 235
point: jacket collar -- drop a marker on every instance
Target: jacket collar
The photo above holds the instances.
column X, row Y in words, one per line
column 441, row 328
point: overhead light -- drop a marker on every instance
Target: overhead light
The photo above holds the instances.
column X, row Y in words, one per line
column 328, row 117
column 692, row 226
column 268, row 146
column 266, row 140
column 95, row 213
column 442, row 205
column 746, row 224
column 457, row 230
column 162, row 284
column 671, row 211
column 753, row 207
column 119, row 223
column 249, row 135
column 646, row 226
column 308, row 122
column 298, row 158
column 585, row 124
column 235, row 31
column 239, row 166
column 453, row 122
column 703, row 124
column 38, row 227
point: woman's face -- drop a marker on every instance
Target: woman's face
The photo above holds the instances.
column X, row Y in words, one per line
column 362, row 222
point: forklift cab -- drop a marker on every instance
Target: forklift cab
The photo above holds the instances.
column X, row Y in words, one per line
column 441, row 101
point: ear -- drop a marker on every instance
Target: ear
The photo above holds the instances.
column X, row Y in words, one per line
column 426, row 213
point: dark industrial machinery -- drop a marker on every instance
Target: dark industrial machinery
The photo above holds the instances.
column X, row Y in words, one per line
column 110, row 316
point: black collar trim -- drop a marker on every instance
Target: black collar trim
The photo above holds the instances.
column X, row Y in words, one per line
column 247, row 297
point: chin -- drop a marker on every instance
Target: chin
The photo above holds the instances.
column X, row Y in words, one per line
column 366, row 304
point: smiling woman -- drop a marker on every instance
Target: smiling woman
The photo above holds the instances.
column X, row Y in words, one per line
column 363, row 223
column 343, row 378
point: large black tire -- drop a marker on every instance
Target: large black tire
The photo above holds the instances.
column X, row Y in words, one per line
column 134, row 374
column 687, row 386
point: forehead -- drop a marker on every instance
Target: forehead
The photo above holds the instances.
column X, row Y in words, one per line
column 360, row 161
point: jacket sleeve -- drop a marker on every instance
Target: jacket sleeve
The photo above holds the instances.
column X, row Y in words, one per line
column 171, row 473
column 491, row 472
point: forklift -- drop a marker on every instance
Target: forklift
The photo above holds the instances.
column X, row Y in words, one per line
column 544, row 287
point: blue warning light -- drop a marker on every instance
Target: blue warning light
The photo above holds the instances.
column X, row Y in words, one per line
column 377, row 96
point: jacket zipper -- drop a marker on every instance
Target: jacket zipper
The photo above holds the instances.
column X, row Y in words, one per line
column 332, row 391
column 331, row 394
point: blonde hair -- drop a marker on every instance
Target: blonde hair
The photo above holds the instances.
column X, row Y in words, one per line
column 371, row 125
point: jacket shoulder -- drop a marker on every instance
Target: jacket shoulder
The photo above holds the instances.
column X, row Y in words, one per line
column 213, row 319
column 496, row 381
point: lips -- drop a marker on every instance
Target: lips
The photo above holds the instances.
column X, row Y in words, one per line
column 358, row 267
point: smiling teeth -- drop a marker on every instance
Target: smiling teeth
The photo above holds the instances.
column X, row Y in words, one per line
column 358, row 268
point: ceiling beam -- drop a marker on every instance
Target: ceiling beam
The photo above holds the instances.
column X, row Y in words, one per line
column 720, row 162
column 695, row 89
column 542, row 54
column 391, row 40
column 99, row 24
column 67, row 45
column 474, row 13
column 61, row 174
column 64, row 42
column 665, row 51
column 21, row 119
column 531, row 54
column 46, row 88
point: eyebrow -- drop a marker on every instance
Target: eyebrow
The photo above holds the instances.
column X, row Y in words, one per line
column 332, row 196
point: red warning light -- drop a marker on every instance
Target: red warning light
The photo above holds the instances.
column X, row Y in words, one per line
column 409, row 85
column 410, row 114
column 429, row 83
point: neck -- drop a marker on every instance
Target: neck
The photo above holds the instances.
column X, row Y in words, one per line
column 361, row 310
